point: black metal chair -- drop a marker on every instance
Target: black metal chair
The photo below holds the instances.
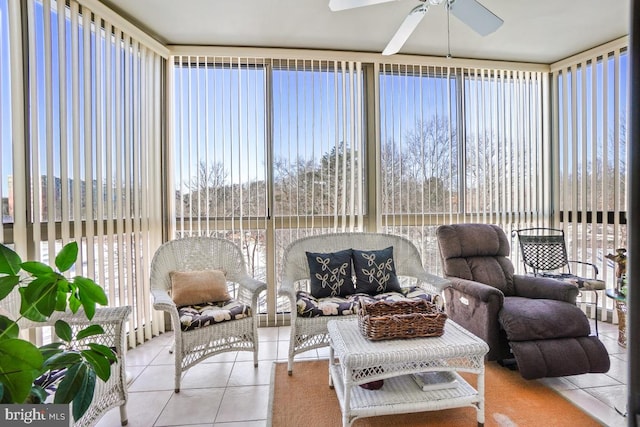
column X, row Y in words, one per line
column 544, row 253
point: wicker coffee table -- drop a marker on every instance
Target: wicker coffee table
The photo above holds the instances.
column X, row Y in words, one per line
column 355, row 360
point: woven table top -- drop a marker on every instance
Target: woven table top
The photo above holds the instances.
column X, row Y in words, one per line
column 355, row 351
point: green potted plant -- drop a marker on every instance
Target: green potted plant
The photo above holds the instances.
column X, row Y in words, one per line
column 27, row 370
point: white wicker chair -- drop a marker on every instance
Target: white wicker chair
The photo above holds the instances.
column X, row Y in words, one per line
column 205, row 253
column 308, row 333
column 107, row 395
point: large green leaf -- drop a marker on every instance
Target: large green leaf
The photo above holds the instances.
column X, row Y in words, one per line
column 29, row 310
column 67, row 256
column 62, row 360
column 20, row 363
column 99, row 363
column 90, row 331
column 51, row 349
column 104, row 350
column 37, row 395
column 77, row 386
column 8, row 328
column 42, row 293
column 74, row 303
column 88, row 289
column 37, row 268
column 83, row 399
column 9, row 261
column 7, row 283
column 63, row 330
column 72, row 383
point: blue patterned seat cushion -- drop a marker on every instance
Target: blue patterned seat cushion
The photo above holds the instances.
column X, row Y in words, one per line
column 201, row 315
column 309, row 306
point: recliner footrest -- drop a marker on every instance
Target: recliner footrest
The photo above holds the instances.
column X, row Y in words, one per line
column 560, row 357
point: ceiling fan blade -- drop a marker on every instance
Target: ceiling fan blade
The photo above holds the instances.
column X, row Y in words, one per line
column 476, row 16
column 408, row 25
column 336, row 5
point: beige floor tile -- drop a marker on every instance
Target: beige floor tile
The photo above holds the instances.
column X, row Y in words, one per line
column 207, row 375
column 142, row 409
column 143, row 354
column 260, row 423
column 244, row 374
column 191, row 406
column 244, row 404
column 594, row 407
column 592, row 380
column 160, row 377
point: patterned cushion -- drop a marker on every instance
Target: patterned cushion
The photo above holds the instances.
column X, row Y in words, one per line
column 375, row 271
column 198, row 316
column 580, row 282
column 331, row 274
column 309, row 306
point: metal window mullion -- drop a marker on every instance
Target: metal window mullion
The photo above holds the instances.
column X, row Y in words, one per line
column 118, row 141
column 137, row 117
column 200, row 173
column 34, row 133
column 127, row 141
column 583, row 203
column 48, row 80
column 100, row 37
column 88, row 142
column 109, row 172
column 206, row 138
column 616, row 146
column 574, row 159
column 75, row 129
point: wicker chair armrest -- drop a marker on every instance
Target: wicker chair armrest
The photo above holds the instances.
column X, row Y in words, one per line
column 162, row 301
column 103, row 316
column 592, row 265
column 432, row 283
column 111, row 319
column 287, row 289
column 252, row 285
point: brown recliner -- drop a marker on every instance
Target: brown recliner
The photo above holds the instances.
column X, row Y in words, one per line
column 532, row 319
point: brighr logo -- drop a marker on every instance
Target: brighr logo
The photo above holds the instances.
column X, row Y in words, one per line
column 43, row 415
column 27, row 416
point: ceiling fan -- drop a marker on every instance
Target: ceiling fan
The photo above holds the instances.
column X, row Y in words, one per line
column 471, row 12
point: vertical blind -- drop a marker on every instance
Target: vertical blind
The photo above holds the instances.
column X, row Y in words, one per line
column 460, row 145
column 95, row 132
column 590, row 140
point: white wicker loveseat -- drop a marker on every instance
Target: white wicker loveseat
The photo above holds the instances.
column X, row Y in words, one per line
column 223, row 330
column 308, row 333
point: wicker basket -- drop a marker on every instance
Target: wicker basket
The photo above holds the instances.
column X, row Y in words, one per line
column 384, row 320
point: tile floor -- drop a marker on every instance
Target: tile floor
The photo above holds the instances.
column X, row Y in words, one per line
column 226, row 391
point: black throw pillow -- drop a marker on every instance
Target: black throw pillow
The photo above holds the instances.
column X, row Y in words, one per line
column 331, row 274
column 375, row 271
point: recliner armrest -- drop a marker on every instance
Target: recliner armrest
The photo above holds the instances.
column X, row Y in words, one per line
column 476, row 290
column 544, row 287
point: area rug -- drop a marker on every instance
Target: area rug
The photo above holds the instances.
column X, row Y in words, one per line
column 305, row 399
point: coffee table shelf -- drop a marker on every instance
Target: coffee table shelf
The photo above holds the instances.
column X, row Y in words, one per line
column 355, row 360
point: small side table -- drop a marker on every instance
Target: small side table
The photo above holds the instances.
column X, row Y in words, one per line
column 621, row 308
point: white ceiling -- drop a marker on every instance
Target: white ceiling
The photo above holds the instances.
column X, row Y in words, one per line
column 542, row 31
